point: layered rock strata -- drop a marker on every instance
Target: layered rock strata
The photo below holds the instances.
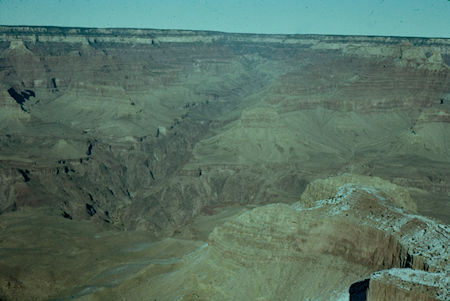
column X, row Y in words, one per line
column 342, row 240
column 147, row 129
column 408, row 284
column 141, row 129
column 354, row 245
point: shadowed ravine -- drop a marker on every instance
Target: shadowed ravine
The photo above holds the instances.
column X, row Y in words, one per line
column 183, row 165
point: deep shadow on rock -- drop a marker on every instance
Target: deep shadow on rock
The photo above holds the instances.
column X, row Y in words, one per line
column 358, row 290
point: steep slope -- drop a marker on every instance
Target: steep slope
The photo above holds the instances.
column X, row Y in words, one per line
column 204, row 142
column 143, row 128
column 351, row 244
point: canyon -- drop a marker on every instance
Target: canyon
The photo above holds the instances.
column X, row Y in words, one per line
column 141, row 164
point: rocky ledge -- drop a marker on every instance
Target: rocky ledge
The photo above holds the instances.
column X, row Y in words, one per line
column 360, row 232
column 130, row 129
column 357, row 245
column 142, row 129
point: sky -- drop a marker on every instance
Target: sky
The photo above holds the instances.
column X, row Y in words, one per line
column 420, row 18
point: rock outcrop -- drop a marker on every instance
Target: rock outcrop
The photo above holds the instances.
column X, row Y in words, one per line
column 408, row 284
column 354, row 245
column 131, row 129
column 271, row 111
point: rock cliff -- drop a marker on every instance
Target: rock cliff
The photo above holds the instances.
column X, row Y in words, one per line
column 149, row 130
column 271, row 111
column 354, row 245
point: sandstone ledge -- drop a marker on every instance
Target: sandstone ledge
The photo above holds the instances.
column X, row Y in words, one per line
column 357, row 234
column 152, row 36
column 408, row 284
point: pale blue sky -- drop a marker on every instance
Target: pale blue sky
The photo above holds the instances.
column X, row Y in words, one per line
column 424, row 18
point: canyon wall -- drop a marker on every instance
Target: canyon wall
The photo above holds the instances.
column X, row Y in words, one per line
column 133, row 129
column 142, row 129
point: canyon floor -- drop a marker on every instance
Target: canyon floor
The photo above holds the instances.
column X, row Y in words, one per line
column 188, row 165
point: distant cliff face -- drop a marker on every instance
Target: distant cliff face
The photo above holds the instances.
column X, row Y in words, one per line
column 142, row 129
column 147, row 129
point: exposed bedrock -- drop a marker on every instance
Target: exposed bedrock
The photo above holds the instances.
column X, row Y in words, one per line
column 161, row 130
column 408, row 284
column 150, row 127
column 351, row 241
column 354, row 244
